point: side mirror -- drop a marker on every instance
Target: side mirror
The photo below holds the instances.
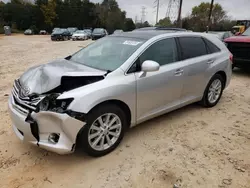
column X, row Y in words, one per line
column 150, row 66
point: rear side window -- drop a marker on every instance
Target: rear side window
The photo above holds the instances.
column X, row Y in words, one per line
column 211, row 47
column 192, row 47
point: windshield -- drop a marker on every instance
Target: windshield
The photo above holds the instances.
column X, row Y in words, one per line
column 108, row 53
column 87, row 30
column 247, row 32
column 72, row 29
column 59, row 31
column 98, row 30
column 79, row 32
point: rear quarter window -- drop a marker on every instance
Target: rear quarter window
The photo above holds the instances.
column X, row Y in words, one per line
column 192, row 47
column 212, row 48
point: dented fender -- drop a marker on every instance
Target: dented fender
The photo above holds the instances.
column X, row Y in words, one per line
column 88, row 96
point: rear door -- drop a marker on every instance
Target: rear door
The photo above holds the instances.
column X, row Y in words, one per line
column 196, row 63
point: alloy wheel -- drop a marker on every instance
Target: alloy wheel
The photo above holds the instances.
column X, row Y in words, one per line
column 214, row 91
column 104, row 131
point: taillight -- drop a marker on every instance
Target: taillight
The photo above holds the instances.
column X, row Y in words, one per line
column 231, row 57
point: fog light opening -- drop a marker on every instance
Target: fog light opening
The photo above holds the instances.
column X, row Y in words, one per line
column 54, row 137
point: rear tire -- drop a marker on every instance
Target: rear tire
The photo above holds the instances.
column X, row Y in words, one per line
column 213, row 91
column 99, row 126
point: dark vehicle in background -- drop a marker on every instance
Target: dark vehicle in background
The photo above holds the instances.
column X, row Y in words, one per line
column 222, row 35
column 56, row 28
column 72, row 30
column 172, row 29
column 60, row 34
column 28, row 32
column 239, row 46
column 89, row 33
column 43, row 32
column 99, row 33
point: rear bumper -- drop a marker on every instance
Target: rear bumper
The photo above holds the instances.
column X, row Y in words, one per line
column 78, row 37
column 57, row 37
column 96, row 37
column 47, row 123
column 237, row 62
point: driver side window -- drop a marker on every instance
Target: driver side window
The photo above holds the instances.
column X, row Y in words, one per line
column 162, row 52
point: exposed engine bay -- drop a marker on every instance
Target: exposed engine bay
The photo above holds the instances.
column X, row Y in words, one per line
column 39, row 87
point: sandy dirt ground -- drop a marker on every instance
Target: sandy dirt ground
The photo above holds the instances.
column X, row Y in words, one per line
column 190, row 147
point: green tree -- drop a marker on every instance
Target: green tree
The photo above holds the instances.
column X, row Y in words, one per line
column 165, row 22
column 129, row 25
column 141, row 25
column 49, row 12
column 110, row 15
column 45, row 14
column 200, row 14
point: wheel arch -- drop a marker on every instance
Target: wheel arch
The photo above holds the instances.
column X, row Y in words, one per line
column 120, row 104
column 224, row 76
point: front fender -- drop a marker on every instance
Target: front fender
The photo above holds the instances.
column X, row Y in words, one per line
column 121, row 88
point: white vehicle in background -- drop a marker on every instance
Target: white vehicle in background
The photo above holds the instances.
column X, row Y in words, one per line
column 222, row 35
column 80, row 35
column 118, row 31
column 28, row 32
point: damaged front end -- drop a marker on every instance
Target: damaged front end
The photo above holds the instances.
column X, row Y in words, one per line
column 46, row 121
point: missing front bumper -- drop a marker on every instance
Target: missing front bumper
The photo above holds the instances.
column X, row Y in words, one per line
column 36, row 129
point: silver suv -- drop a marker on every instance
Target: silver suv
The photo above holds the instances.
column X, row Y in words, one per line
column 93, row 96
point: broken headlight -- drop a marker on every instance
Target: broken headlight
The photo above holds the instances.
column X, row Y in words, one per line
column 51, row 103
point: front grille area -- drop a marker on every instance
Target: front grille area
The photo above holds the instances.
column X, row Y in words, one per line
column 240, row 50
column 21, row 102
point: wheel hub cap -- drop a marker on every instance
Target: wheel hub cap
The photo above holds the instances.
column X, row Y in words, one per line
column 104, row 132
column 214, row 91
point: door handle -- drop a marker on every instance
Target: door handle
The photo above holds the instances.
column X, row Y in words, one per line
column 210, row 61
column 178, row 72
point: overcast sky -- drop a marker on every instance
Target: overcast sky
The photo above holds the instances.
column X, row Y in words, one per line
column 238, row 9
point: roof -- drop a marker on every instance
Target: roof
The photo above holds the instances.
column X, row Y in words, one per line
column 142, row 34
column 147, row 35
column 160, row 28
column 218, row 32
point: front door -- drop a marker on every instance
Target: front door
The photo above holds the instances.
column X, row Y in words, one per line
column 159, row 91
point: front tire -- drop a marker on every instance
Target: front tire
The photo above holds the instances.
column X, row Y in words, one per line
column 104, row 130
column 213, row 91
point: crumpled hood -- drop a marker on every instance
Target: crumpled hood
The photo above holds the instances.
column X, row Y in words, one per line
column 43, row 78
